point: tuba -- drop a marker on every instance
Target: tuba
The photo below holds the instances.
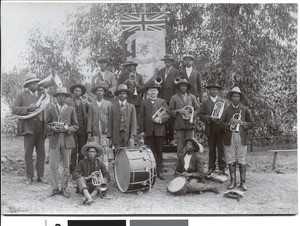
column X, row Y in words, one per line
column 188, row 113
column 98, row 180
column 218, row 110
column 45, row 98
column 235, row 126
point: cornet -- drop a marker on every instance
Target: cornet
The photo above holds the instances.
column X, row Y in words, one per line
column 98, row 180
column 158, row 80
column 132, row 82
column 235, row 126
column 218, row 110
column 176, row 80
column 161, row 112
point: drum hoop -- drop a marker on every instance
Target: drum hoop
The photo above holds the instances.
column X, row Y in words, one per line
column 180, row 191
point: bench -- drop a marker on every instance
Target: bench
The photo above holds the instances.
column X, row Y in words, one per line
column 275, row 155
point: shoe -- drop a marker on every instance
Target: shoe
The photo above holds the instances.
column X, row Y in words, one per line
column 65, row 193
column 209, row 172
column 55, row 192
column 29, row 181
column 89, row 202
column 161, row 176
column 42, row 180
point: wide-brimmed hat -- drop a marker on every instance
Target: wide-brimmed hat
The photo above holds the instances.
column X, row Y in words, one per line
column 153, row 84
column 100, row 85
column 168, row 57
column 214, row 85
column 61, row 90
column 85, row 149
column 188, row 56
column 122, row 87
column 82, row 87
column 198, row 146
column 130, row 62
column 102, row 60
column 29, row 78
column 183, row 81
column 235, row 90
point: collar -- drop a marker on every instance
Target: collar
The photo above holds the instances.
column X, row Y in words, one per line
column 60, row 107
column 33, row 93
column 153, row 99
column 99, row 102
column 189, row 68
column 235, row 106
column 214, row 99
column 124, row 102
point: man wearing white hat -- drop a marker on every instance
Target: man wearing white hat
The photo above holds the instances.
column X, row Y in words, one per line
column 236, row 121
column 31, row 129
column 61, row 124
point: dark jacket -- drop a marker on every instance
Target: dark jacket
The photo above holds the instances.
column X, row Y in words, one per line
column 83, row 170
column 246, row 118
column 195, row 81
column 147, row 125
column 196, row 166
column 85, row 106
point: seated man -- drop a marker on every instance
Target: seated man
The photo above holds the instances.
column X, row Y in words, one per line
column 83, row 173
column 190, row 166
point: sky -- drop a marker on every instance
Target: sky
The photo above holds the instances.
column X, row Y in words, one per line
column 19, row 18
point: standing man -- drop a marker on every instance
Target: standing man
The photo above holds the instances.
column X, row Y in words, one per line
column 168, row 75
column 193, row 76
column 134, row 82
column 213, row 131
column 236, row 121
column 122, row 122
column 31, row 129
column 81, row 109
column 98, row 120
column 153, row 124
column 61, row 124
column 102, row 75
column 184, row 127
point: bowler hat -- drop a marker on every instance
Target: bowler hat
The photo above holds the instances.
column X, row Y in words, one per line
column 214, row 85
column 235, row 90
column 100, row 85
column 183, row 81
column 188, row 56
column 198, row 146
column 152, row 85
column 130, row 62
column 168, row 57
column 29, row 78
column 86, row 147
column 102, row 60
column 82, row 87
column 122, row 87
column 61, row 90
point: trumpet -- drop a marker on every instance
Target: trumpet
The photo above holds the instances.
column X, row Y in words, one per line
column 177, row 79
column 161, row 112
column 158, row 80
column 235, row 126
column 132, row 84
column 98, row 180
column 188, row 113
column 218, row 110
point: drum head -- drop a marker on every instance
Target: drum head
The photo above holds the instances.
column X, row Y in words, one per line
column 122, row 170
column 177, row 185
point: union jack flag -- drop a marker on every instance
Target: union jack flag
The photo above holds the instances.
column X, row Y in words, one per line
column 143, row 22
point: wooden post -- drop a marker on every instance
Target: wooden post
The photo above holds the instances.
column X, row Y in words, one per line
column 274, row 160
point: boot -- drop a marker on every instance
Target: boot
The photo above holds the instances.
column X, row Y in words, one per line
column 160, row 174
column 232, row 172
column 243, row 176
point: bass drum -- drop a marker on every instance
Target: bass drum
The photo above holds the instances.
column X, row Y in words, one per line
column 135, row 169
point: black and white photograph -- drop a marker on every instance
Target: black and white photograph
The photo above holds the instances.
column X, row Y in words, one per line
column 148, row 109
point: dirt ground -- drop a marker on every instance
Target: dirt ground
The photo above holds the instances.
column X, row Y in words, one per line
column 269, row 192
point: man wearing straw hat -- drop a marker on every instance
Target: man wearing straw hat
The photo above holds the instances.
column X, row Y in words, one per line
column 81, row 108
column 184, row 127
column 61, row 124
column 98, row 119
column 31, row 129
column 236, row 121
column 83, row 173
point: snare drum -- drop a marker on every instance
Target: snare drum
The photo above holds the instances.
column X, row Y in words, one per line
column 135, row 169
column 177, row 186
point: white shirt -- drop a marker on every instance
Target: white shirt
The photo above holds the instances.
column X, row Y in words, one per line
column 187, row 159
column 214, row 99
column 99, row 102
column 33, row 93
column 188, row 71
column 235, row 106
column 124, row 102
column 61, row 108
column 167, row 72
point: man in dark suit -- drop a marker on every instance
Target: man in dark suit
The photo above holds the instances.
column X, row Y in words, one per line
column 193, row 76
column 122, row 122
column 168, row 75
column 236, row 135
column 134, row 82
column 31, row 129
column 154, row 128
column 81, row 109
column 213, row 131
column 61, row 124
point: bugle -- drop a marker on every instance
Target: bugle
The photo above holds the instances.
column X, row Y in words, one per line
column 218, row 110
column 235, row 126
column 98, row 180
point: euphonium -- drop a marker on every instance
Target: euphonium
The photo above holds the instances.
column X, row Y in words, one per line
column 158, row 80
column 98, row 180
column 218, row 110
column 235, row 126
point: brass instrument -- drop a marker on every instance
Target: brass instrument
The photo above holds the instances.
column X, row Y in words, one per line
column 59, row 125
column 132, row 83
column 158, row 80
column 188, row 113
column 218, row 110
column 235, row 126
column 177, row 79
column 98, row 180
column 161, row 112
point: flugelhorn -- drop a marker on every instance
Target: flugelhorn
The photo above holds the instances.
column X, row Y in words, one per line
column 188, row 113
column 235, row 126
column 98, row 180
column 158, row 80
column 218, row 110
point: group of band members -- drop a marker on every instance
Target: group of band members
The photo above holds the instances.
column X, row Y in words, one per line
column 80, row 131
